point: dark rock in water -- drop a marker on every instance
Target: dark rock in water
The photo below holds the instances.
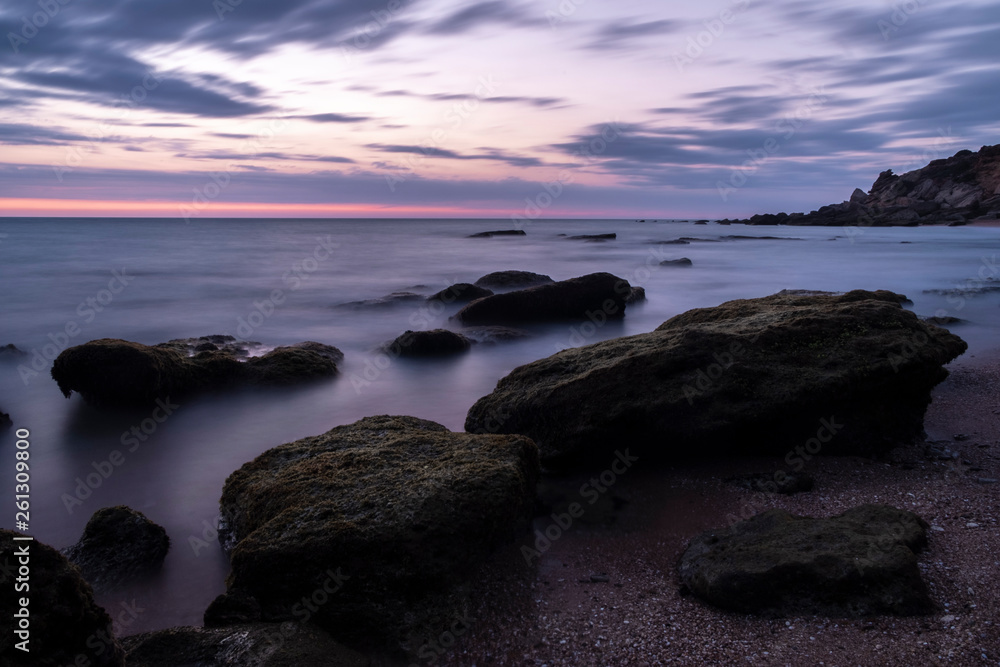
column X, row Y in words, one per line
column 393, row 513
column 738, row 237
column 10, row 351
column 783, row 483
column 290, row 365
column 111, row 372
column 392, row 299
column 246, row 645
column 672, row 242
column 637, row 295
column 850, row 374
column 494, row 334
column 683, row 261
column 232, row 609
column 5, row 421
column 436, row 342
column 859, row 563
column 512, row 280
column 460, row 293
column 118, row 546
column 65, row 622
column 564, row 300
column 502, row 232
column 971, row 288
column 701, row 222
column 593, row 237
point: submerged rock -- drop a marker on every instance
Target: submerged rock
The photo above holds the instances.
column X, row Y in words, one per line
column 11, row 351
column 388, row 514
column 859, row 563
column 245, row 645
column 637, row 295
column 494, row 334
column 111, row 372
column 460, row 293
column 512, row 279
column 66, row 626
column 118, row 546
column 5, row 421
column 683, row 261
column 393, row 299
column 593, row 237
column 841, row 374
column 565, row 300
column 502, row 232
column 435, row 342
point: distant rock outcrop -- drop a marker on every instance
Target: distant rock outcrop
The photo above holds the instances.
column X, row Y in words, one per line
column 433, row 343
column 951, row 191
column 512, row 280
column 501, row 232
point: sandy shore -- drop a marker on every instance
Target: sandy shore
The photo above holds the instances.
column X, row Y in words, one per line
column 606, row 592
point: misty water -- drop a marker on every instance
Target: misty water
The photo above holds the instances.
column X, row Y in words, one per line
column 187, row 280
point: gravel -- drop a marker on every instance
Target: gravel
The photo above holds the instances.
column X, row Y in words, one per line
column 606, row 591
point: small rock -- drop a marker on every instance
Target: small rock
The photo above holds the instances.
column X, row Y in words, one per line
column 593, row 237
column 947, row 619
column 118, row 545
column 683, row 261
column 5, row 421
column 972, row 524
column 599, row 578
column 960, row 437
column 435, row 342
column 501, row 232
column 987, row 480
column 460, row 293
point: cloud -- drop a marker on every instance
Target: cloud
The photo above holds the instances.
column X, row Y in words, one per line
column 20, row 134
column 433, row 152
column 485, row 14
column 334, row 118
column 622, row 35
column 495, row 99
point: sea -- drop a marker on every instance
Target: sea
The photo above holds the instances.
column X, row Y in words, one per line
column 276, row 282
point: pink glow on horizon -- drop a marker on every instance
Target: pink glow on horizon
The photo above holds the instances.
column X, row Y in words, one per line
column 109, row 208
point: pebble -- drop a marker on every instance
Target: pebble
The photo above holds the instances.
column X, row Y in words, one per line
column 972, row 525
column 987, row 480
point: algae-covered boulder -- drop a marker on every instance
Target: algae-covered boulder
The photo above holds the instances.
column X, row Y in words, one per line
column 433, row 343
column 384, row 517
column 248, row 645
column 65, row 625
column 111, row 372
column 512, row 279
column 118, row 545
column 785, row 374
column 594, row 295
column 858, row 563
column 460, row 293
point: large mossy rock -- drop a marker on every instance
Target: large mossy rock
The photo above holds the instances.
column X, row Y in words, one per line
column 597, row 295
column 66, row 626
column 382, row 518
column 248, row 645
column 118, row 546
column 860, row 563
column 433, row 343
column 837, row 374
column 111, row 372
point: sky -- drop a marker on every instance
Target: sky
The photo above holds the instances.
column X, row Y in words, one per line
column 442, row 108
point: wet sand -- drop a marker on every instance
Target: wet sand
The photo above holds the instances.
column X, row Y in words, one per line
column 606, row 592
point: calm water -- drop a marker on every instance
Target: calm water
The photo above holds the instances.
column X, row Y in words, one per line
column 187, row 280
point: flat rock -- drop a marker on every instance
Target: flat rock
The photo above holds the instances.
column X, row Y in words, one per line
column 392, row 299
column 502, row 232
column 118, row 546
column 593, row 237
column 512, row 280
column 432, row 343
column 859, row 563
column 246, row 645
column 849, row 374
column 66, row 623
column 460, row 293
column 112, row 372
column 564, row 300
column 399, row 510
column 681, row 262
column 494, row 334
